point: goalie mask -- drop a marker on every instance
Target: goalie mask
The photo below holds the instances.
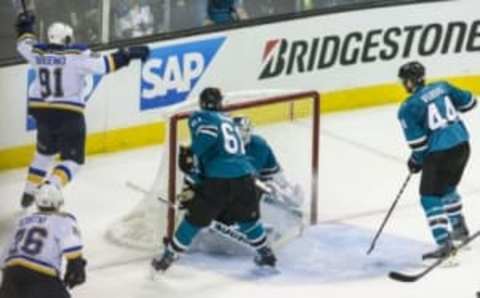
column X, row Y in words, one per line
column 245, row 127
column 60, row 34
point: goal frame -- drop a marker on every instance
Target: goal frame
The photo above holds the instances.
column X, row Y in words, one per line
column 292, row 97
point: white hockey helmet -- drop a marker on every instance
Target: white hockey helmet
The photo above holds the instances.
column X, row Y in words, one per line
column 60, row 34
column 49, row 196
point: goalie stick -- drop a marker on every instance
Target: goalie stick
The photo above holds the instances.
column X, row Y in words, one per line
column 220, row 228
column 403, row 277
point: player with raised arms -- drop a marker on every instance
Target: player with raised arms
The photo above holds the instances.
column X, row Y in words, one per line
column 57, row 99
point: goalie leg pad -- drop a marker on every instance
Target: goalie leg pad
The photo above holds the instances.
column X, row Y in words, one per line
column 255, row 233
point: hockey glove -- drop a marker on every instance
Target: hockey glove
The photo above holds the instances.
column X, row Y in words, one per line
column 75, row 274
column 25, row 22
column 185, row 198
column 138, row 52
column 185, row 160
column 413, row 166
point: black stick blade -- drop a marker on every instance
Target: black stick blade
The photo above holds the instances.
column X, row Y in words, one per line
column 402, row 277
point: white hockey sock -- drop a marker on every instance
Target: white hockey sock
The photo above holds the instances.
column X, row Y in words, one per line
column 37, row 171
column 63, row 173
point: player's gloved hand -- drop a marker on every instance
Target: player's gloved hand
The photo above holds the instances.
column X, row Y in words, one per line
column 185, row 197
column 414, row 166
column 75, row 274
column 25, row 22
column 185, row 159
column 138, row 52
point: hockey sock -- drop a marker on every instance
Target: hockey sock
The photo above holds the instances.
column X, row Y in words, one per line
column 184, row 235
column 452, row 204
column 63, row 173
column 436, row 217
column 37, row 171
column 255, row 233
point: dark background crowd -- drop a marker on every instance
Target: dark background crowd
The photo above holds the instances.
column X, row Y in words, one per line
column 100, row 22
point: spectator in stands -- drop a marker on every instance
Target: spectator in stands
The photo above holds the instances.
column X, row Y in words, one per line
column 132, row 18
column 225, row 11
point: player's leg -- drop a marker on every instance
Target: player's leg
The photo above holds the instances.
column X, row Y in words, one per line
column 432, row 187
column 208, row 203
column 46, row 149
column 452, row 201
column 245, row 209
column 71, row 143
column 8, row 288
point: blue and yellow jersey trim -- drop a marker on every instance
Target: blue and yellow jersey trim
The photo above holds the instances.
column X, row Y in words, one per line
column 63, row 173
column 56, row 105
column 36, row 176
column 25, row 36
column 110, row 65
column 34, row 265
column 73, row 252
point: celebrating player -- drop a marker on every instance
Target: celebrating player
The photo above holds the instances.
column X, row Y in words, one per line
column 33, row 260
column 440, row 143
column 268, row 170
column 227, row 188
column 56, row 98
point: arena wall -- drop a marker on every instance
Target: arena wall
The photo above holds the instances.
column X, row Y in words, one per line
column 350, row 58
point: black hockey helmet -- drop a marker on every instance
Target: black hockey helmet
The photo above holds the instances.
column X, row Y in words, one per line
column 413, row 71
column 211, row 99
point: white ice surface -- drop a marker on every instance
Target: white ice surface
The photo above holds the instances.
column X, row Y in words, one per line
column 362, row 166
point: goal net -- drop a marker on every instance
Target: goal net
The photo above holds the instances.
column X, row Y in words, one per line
column 289, row 121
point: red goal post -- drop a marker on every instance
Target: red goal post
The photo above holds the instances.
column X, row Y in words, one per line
column 230, row 107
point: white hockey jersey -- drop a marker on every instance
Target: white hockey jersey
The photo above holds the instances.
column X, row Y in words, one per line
column 41, row 240
column 60, row 73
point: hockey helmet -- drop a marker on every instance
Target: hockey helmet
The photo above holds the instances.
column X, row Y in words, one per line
column 211, row 99
column 60, row 34
column 413, row 72
column 245, row 127
column 49, row 196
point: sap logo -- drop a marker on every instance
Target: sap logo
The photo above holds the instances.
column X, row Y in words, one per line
column 91, row 83
column 172, row 72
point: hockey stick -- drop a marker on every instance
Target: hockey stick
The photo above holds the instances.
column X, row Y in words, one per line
column 216, row 226
column 397, row 198
column 19, row 6
column 403, row 277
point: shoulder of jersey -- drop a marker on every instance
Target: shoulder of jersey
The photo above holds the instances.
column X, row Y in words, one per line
column 77, row 49
column 60, row 214
column 206, row 116
column 408, row 104
column 257, row 140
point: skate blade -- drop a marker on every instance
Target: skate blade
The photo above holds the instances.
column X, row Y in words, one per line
column 451, row 262
column 155, row 275
column 265, row 271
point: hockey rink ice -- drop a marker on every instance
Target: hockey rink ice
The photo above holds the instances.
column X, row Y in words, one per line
column 362, row 166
